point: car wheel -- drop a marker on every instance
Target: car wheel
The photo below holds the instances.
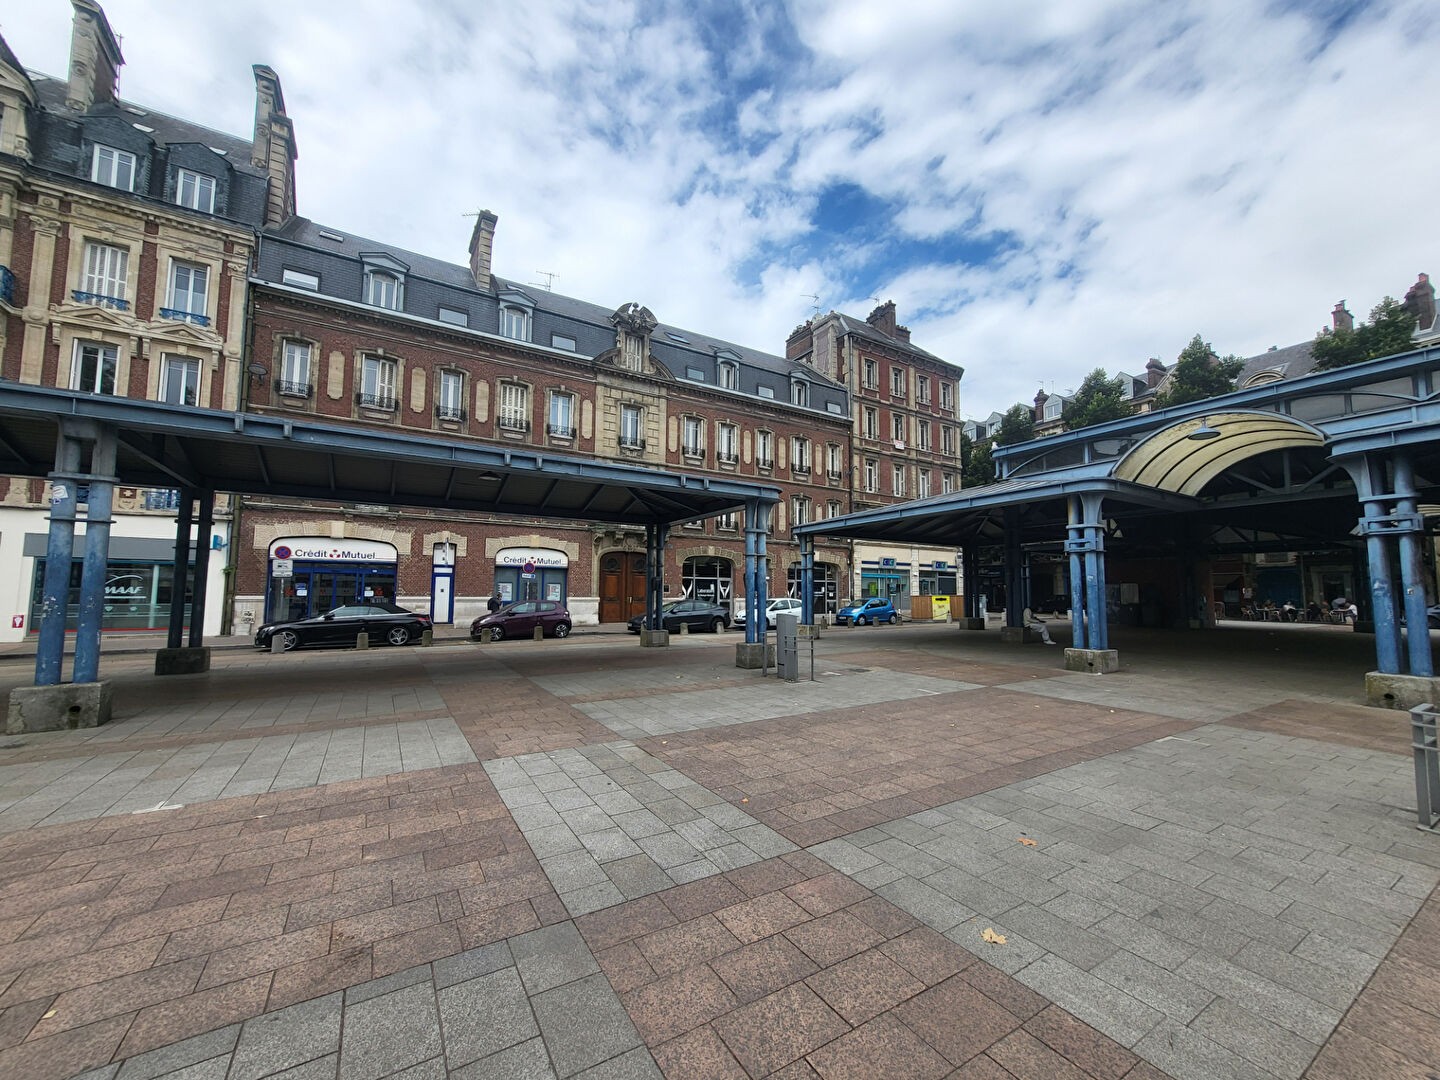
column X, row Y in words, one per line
column 863, row 620
column 289, row 640
column 893, row 619
column 717, row 625
column 562, row 629
column 496, row 633
column 398, row 635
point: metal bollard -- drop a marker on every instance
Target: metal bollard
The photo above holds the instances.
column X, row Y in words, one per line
column 362, row 640
column 1426, row 744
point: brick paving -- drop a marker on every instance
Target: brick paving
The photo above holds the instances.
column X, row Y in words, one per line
column 410, row 925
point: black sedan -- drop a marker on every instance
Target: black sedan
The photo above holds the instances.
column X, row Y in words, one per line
column 383, row 621
column 698, row 614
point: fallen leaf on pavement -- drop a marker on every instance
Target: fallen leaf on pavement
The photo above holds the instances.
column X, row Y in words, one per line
column 1027, row 841
column 992, row 937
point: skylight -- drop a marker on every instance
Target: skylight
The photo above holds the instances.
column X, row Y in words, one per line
column 142, row 127
column 328, row 235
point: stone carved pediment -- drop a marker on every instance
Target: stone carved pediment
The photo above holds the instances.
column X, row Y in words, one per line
column 634, row 318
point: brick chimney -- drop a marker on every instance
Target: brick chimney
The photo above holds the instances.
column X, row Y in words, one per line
column 273, row 148
column 883, row 319
column 903, row 333
column 1420, row 302
column 1040, row 398
column 1154, row 373
column 95, row 58
column 800, row 341
column 1342, row 319
column 482, row 243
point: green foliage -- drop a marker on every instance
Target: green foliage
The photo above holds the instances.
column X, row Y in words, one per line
column 977, row 467
column 1016, row 426
column 1100, row 398
column 1200, row 374
column 1388, row 332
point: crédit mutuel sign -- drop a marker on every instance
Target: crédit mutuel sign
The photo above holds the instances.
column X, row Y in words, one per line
column 318, row 548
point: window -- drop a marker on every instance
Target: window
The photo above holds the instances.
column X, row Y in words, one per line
column 382, row 289
column 294, row 369
column 105, row 275
column 632, row 352
column 514, row 414
column 454, row 316
column 515, row 323
column 799, row 392
column 1054, row 407
column 377, row 382
column 922, row 434
column 870, row 422
column 560, row 341
column 800, row 455
column 799, row 510
column 631, row 426
column 450, row 397
column 833, row 467
column 694, row 374
column 195, row 190
column 698, row 523
column 180, row 380
column 562, row 416
column 947, row 396
column 113, row 168
column 922, row 389
column 188, row 285
column 870, row 374
column 922, row 484
column 300, row 279
column 765, row 391
column 947, row 441
column 897, row 480
column 897, row 428
column 897, row 382
column 726, row 521
column 727, row 441
column 947, row 483
column 832, row 508
column 764, row 450
column 729, row 375
column 872, row 475
column 93, row 368
column 692, row 441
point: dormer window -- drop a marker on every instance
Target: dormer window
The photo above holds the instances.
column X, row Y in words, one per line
column 113, row 168
column 195, row 191
column 633, row 352
column 515, row 323
column 729, row 375
column 633, row 326
column 382, row 290
column 799, row 392
column 1053, row 408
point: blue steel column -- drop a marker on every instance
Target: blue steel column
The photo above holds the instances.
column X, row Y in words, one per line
column 762, row 569
column 1014, row 600
column 180, row 569
column 97, row 556
column 1076, row 545
column 752, row 520
column 651, row 621
column 59, row 551
column 970, row 579
column 1410, row 526
column 1098, row 636
column 807, row 580
column 1375, row 524
column 203, row 525
column 662, row 533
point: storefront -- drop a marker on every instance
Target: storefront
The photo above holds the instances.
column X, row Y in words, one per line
column 326, row 574
column 888, row 579
column 137, row 596
column 525, row 573
column 826, row 585
column 938, row 578
column 709, row 578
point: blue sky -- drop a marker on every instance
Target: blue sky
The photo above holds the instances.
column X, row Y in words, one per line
column 1087, row 185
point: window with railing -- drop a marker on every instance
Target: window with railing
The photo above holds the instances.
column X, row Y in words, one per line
column 103, row 281
column 450, row 397
column 922, row 389
column 514, row 412
column 947, row 483
column 727, row 443
column 947, row 441
column 922, row 434
column 189, row 284
column 692, row 439
column 632, row 427
column 947, row 396
column 870, row 422
column 872, row 475
column 113, row 168
column 897, row 427
column 93, row 367
column 377, row 383
column 799, row 510
column 897, row 480
column 180, row 380
column 294, row 370
column 764, row 450
column 800, row 455
column 922, row 484
column 561, row 424
column 195, row 191
column 832, row 508
column 897, row 382
column 834, row 468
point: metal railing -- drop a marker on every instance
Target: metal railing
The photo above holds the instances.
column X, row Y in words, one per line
column 293, row 389
column 726, row 459
column 513, row 423
column 631, row 443
column 560, row 431
column 180, row 315
column 452, row 413
column 100, row 300
column 7, row 285
column 764, row 462
column 376, row 401
column 1425, row 742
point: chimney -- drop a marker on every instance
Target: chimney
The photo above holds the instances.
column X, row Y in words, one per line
column 1154, row 372
column 1420, row 302
column 482, row 243
column 95, row 58
column 1342, row 319
column 1040, row 398
column 800, row 341
column 883, row 318
column 273, row 148
column 903, row 333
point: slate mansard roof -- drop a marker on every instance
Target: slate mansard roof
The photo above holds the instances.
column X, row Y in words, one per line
column 338, row 259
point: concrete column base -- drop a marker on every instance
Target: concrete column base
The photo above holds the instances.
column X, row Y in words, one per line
column 654, row 639
column 971, row 624
column 1094, row 661
column 806, row 631
column 1384, row 691
column 58, row 708
column 1019, row 635
column 183, row 661
column 754, row 655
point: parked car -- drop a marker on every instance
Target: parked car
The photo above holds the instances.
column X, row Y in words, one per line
column 865, row 612
column 1056, row 605
column 779, row 605
column 698, row 614
column 519, row 620
column 386, row 624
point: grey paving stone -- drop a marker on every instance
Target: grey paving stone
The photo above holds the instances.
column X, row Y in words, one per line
column 323, row 1068
column 471, row 964
column 1304, row 1016
column 551, row 957
column 1078, row 909
column 844, row 856
column 214, row 1069
column 583, row 1024
column 592, row 898
column 386, row 1034
column 1156, row 946
column 552, row 840
column 434, row 1069
column 524, row 1061
column 607, row 845
column 973, row 892
column 1178, row 998
column 483, row 1016
column 930, row 906
column 635, row 1065
column 638, row 876
column 178, row 1055
column 292, row 1036
column 1058, row 936
column 1189, row 1055
column 573, row 870
column 1090, row 998
column 1010, row 957
column 1255, row 1039
column 105, row 1072
column 387, row 984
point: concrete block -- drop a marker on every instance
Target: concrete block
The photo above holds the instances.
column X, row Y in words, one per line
column 427, row 637
column 1094, row 661
column 971, row 624
column 362, row 640
column 654, row 639
column 182, row 661
column 684, row 629
column 808, row 632
column 754, row 655
column 1018, row 635
column 1384, row 691
column 539, row 634
column 58, row 708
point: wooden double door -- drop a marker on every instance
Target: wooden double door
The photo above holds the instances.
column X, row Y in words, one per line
column 622, row 586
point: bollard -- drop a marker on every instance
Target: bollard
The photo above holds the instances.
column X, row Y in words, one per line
column 362, row 640
column 484, row 636
column 277, row 644
column 427, row 638
column 684, row 629
column 539, row 634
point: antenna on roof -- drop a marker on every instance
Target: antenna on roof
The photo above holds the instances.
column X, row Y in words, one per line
column 549, row 279
column 814, row 301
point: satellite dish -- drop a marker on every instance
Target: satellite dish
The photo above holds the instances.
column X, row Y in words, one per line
column 256, row 369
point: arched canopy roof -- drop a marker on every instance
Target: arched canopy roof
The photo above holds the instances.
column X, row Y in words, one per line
column 1172, row 459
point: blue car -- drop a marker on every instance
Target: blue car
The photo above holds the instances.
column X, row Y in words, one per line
column 865, row 612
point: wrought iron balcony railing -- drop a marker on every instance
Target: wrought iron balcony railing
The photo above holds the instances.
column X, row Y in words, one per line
column 513, row 423
column 100, row 300
column 560, row 431
column 631, row 443
column 453, row 413
column 184, row 316
column 764, row 462
column 726, row 458
column 7, row 285
column 293, row 389
column 376, row 401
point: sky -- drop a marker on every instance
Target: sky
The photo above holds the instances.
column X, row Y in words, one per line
column 1042, row 189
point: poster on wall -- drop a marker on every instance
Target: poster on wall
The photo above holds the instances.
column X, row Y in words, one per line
column 504, row 589
column 552, row 591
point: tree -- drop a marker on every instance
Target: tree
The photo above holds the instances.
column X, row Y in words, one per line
column 977, row 467
column 1016, row 426
column 1100, row 398
column 1388, row 332
column 1200, row 374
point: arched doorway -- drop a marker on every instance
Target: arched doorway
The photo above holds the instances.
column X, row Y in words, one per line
column 622, row 585
column 709, row 578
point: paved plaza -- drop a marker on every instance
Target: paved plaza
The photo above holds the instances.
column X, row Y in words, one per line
column 942, row 857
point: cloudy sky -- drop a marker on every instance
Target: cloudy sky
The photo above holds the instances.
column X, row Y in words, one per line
column 1041, row 188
